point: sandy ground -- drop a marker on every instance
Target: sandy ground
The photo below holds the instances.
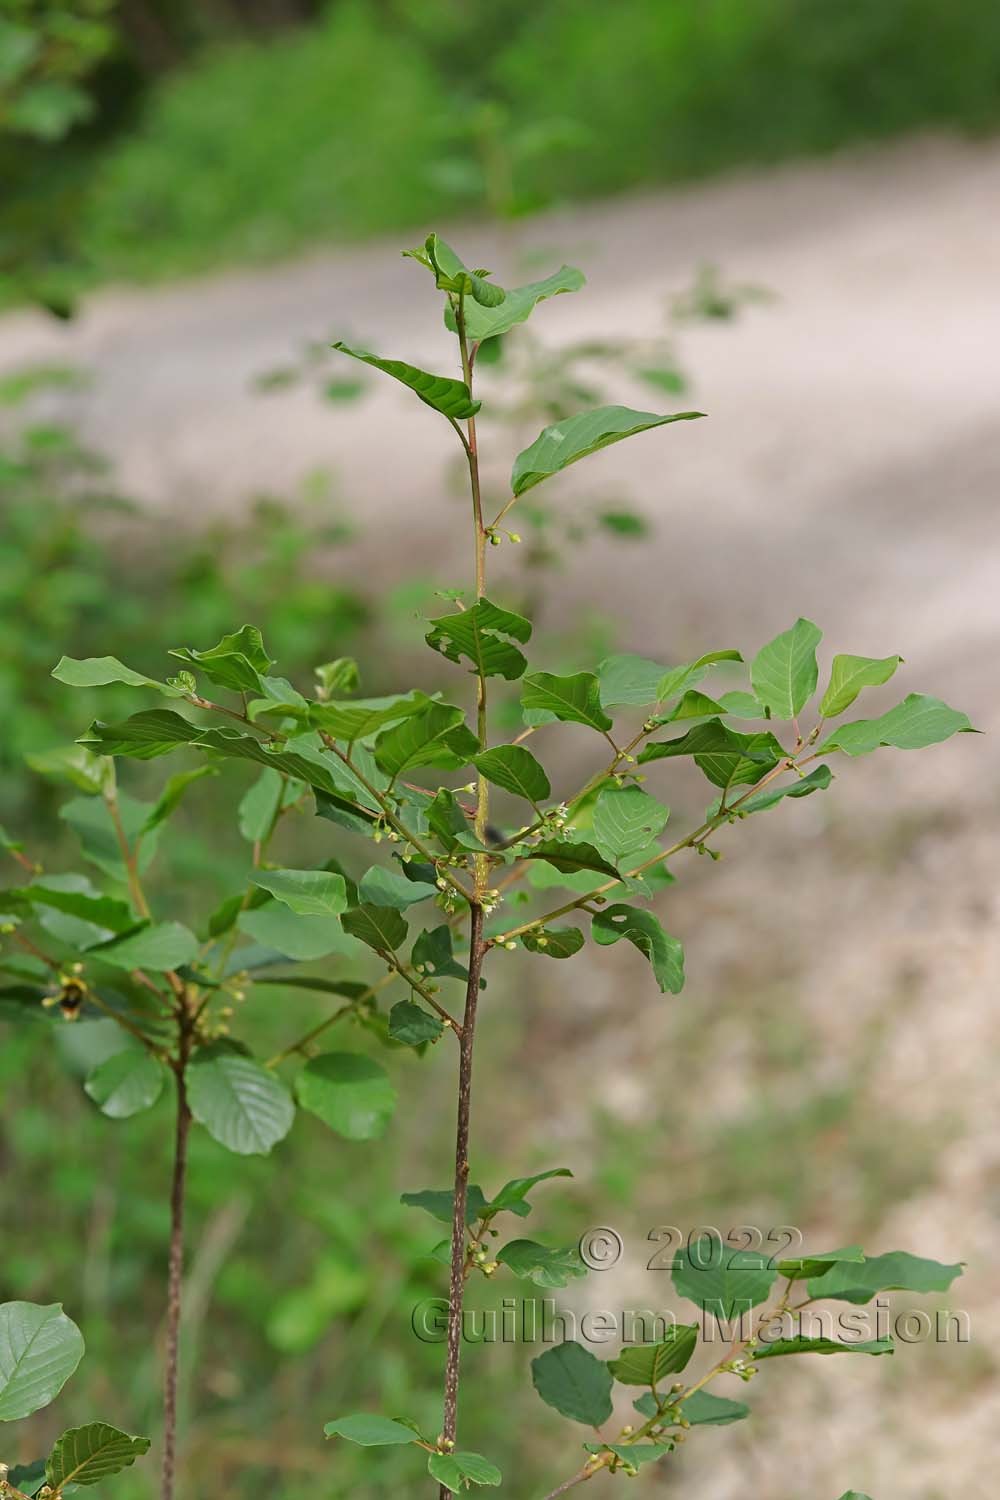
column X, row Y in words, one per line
column 849, row 470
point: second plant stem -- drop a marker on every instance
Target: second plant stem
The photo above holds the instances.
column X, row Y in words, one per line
column 477, row 951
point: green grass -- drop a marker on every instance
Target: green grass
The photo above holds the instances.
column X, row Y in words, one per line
column 392, row 115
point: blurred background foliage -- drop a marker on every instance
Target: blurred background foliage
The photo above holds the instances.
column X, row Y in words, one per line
column 147, row 138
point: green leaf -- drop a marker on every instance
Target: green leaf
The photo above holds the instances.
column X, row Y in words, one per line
column 724, row 1283
column 379, row 926
column 173, row 791
column 370, row 1430
column 410, row 1024
column 539, row 1264
column 242, row 1105
column 631, row 1456
column 692, row 705
column 512, row 1196
column 438, row 1202
column 101, row 911
column 647, row 1364
column 784, row 672
column 309, row 893
column 896, row 1271
column 677, row 680
column 451, row 275
column 260, row 805
column 726, row 757
column 237, row 662
column 643, row 931
column 76, row 765
column 571, row 1379
column 802, row 1266
column 39, row 1350
column 702, row 1409
column 800, row 1344
column 849, row 674
column 382, row 887
column 303, row 938
column 912, row 724
column 433, row 954
column 565, row 442
column 489, row 322
column 86, row 1455
column 349, row 1092
column 854, row 1495
column 158, row 946
column 92, row 823
column 126, row 1083
column 98, row 671
column 554, row 942
column 575, row 699
column 437, row 737
column 483, row 635
column 458, row 1470
column 627, row 820
column 817, row 781
column 448, row 396
column 516, row 770
column 357, row 720
column 28, row 1478
column 630, row 681
column 143, row 736
column 571, row 856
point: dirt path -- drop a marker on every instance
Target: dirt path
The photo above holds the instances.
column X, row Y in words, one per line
column 850, row 470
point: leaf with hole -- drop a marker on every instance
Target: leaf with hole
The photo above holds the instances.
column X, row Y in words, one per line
column 644, row 931
column 483, row 635
column 566, row 442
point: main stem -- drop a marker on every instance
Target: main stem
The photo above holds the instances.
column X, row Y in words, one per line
column 477, row 951
column 175, row 1270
